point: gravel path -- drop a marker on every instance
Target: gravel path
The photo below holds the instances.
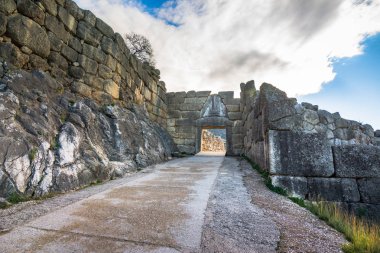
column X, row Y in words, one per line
column 242, row 215
column 300, row 230
column 232, row 223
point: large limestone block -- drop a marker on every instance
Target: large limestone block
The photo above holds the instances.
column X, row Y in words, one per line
column 26, row 32
column 112, row 88
column 67, row 19
column 369, row 190
column 295, row 186
column 90, row 66
column 56, row 27
column 104, row 28
column 7, row 6
column 300, row 154
column 50, row 6
column 3, row 23
column 13, row 54
column 333, row 189
column 31, row 10
column 88, row 33
column 357, row 161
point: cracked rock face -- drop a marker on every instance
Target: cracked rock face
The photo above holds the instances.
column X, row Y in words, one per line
column 54, row 141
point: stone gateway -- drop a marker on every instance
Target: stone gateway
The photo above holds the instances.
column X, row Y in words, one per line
column 76, row 107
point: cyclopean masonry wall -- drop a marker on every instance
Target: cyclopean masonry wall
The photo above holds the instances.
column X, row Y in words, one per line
column 312, row 153
column 75, row 106
column 81, row 51
column 190, row 112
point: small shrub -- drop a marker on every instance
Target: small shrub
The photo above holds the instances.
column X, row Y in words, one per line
column 54, row 143
column 298, row 201
column 32, row 154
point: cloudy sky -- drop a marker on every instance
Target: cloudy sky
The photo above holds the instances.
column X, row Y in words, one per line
column 322, row 51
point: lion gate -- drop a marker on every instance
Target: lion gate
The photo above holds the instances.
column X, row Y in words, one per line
column 191, row 112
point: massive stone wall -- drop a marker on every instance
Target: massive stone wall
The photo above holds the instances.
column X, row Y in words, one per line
column 80, row 50
column 312, row 153
column 187, row 115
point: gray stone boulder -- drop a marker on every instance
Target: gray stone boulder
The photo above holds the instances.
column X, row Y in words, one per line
column 333, row 189
column 7, row 6
column 357, row 161
column 26, row 32
column 299, row 154
column 369, row 190
column 30, row 9
column 3, row 23
column 294, row 186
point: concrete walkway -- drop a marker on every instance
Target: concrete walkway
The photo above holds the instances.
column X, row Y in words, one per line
column 160, row 212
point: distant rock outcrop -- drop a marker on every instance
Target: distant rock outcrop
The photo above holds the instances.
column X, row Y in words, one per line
column 212, row 143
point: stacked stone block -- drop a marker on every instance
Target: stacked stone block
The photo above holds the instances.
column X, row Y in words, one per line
column 311, row 153
column 81, row 51
column 184, row 109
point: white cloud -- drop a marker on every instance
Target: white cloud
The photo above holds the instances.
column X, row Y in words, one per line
column 220, row 43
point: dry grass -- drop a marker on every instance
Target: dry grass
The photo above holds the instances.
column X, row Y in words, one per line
column 364, row 236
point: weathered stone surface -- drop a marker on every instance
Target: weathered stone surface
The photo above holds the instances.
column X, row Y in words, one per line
column 234, row 115
column 37, row 62
column 47, row 145
column 104, row 28
column 203, row 93
column 309, row 106
column 377, row 133
column 369, row 189
column 299, row 154
column 226, row 94
column 105, row 72
column 3, row 23
column 76, row 72
column 31, row 10
column 69, row 53
column 81, row 88
column 112, row 88
column 58, row 60
column 90, row 66
column 311, row 117
column 88, row 33
column 26, row 32
column 89, row 17
column 67, row 19
column 357, row 161
column 55, row 42
column 110, row 47
column 75, row 44
column 7, row 6
column 50, row 6
column 333, row 189
column 295, row 186
column 74, row 10
column 277, row 110
column 342, row 123
column 13, row 55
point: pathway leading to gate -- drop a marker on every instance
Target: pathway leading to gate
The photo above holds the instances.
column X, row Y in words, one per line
column 195, row 204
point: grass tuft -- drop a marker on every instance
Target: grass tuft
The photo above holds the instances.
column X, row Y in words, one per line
column 15, row 198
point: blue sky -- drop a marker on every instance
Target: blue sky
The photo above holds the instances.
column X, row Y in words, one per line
column 216, row 45
column 355, row 90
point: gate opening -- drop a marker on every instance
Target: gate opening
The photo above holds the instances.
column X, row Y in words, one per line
column 214, row 140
